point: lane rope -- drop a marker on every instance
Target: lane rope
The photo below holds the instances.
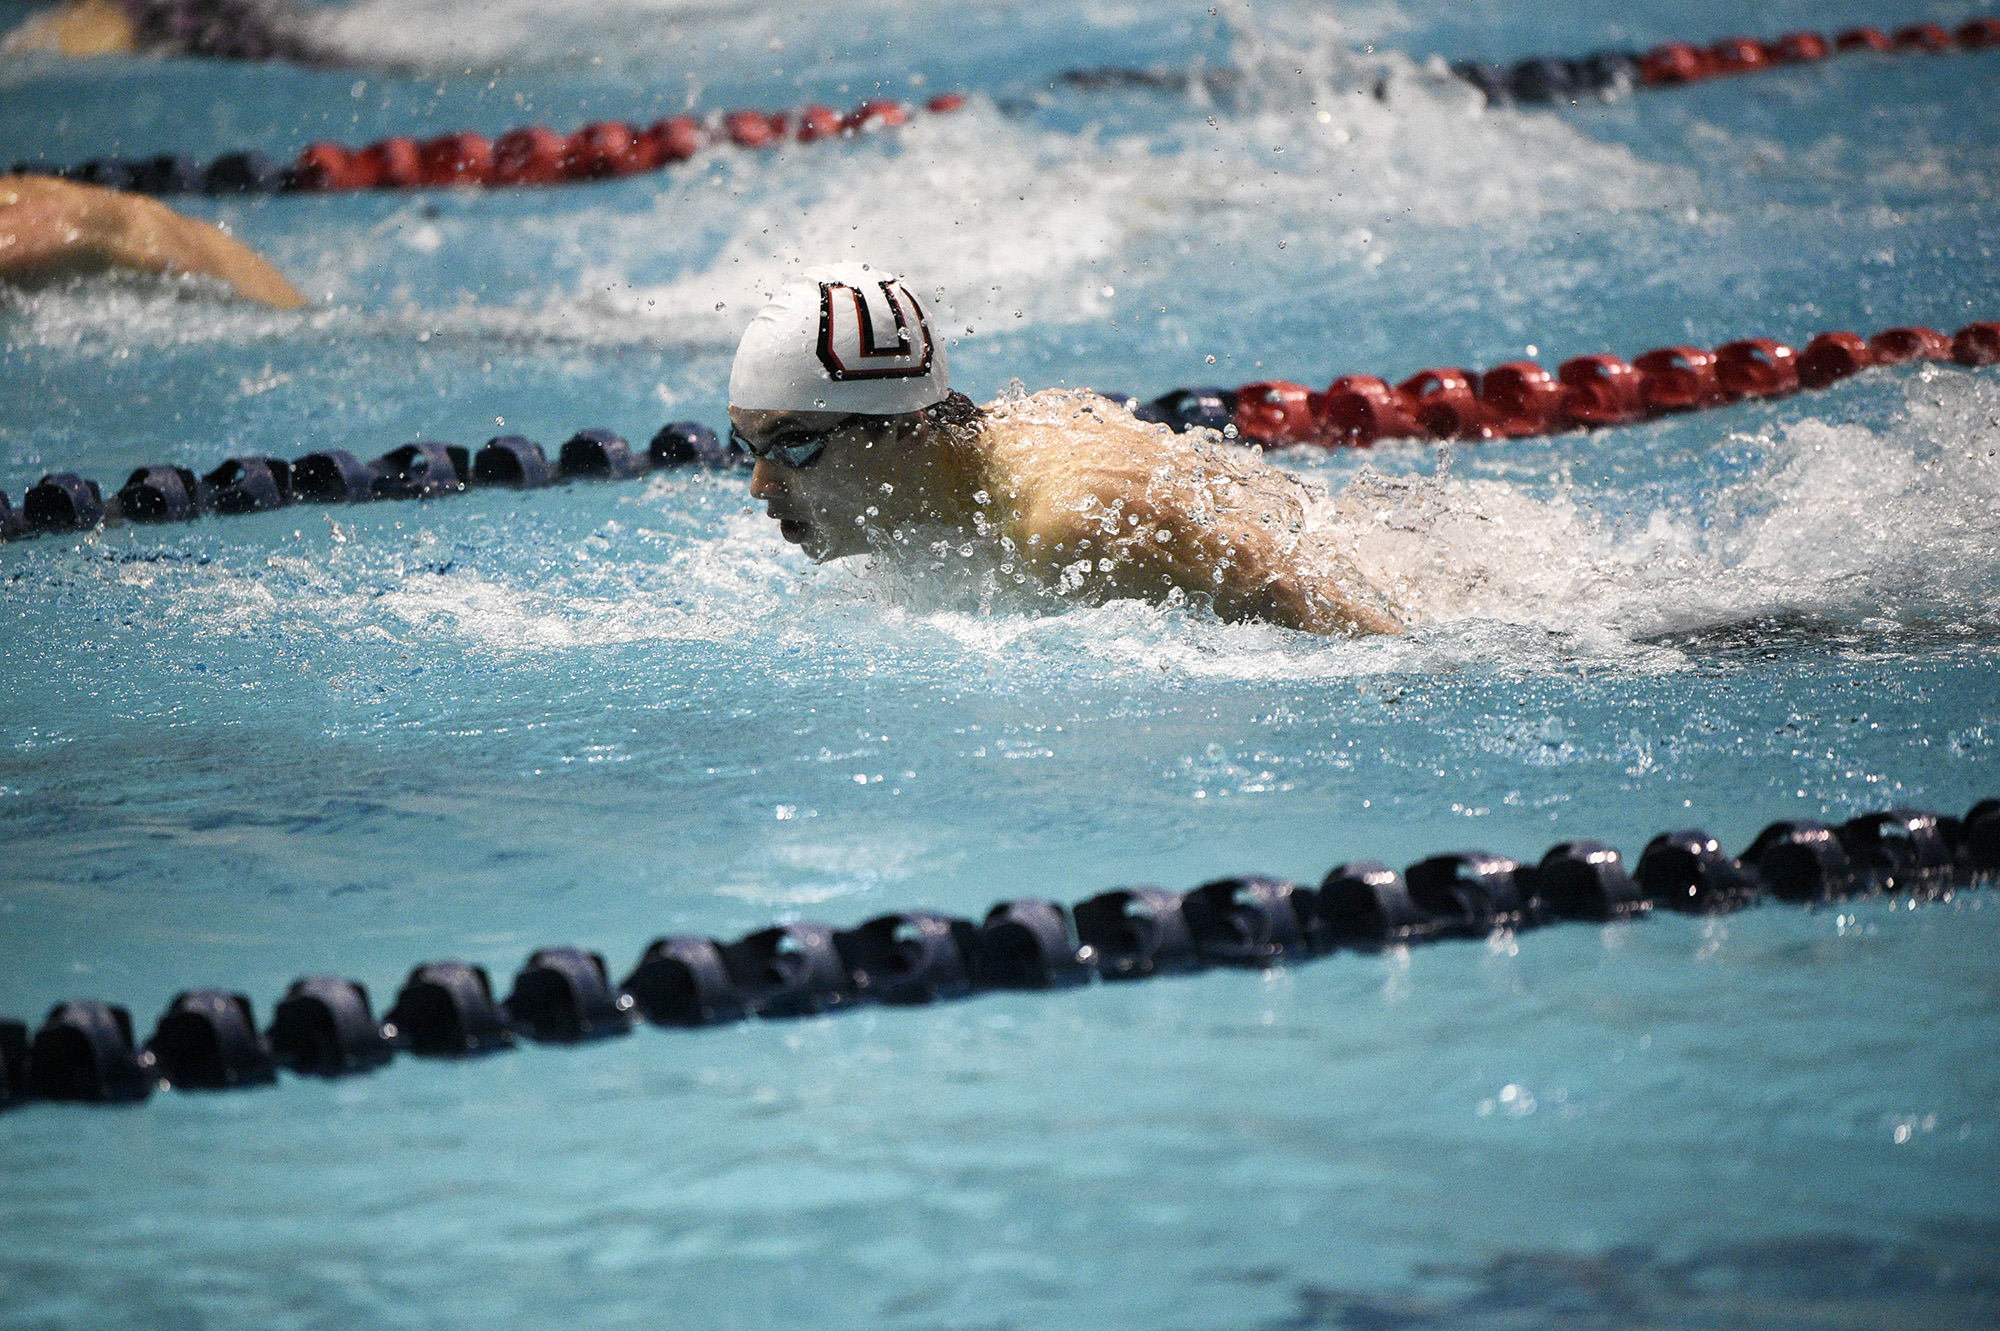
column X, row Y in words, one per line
column 604, row 150
column 1521, row 398
column 1607, row 75
column 1511, row 401
column 530, row 155
column 255, row 483
column 208, row 1039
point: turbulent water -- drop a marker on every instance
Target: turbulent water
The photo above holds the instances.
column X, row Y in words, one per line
column 352, row 739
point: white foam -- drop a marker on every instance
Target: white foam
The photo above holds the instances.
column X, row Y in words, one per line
column 1004, row 222
column 438, row 34
column 1897, row 526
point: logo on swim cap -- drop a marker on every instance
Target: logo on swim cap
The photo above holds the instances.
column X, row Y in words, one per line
column 845, row 337
column 872, row 330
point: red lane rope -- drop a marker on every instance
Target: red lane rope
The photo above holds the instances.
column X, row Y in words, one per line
column 534, row 155
column 1521, row 398
column 1680, row 62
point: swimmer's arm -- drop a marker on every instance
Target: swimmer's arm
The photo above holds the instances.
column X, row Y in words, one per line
column 53, row 229
column 1240, row 567
column 81, row 28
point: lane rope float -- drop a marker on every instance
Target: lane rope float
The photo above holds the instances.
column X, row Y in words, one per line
column 1511, row 401
column 427, row 469
column 530, row 155
column 1521, row 398
column 325, row 1026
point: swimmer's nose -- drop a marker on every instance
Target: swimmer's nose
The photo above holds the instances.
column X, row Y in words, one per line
column 765, row 482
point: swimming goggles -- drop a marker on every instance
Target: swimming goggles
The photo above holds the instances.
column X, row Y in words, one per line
column 796, row 448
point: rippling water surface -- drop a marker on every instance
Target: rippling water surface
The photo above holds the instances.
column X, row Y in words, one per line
column 350, row 740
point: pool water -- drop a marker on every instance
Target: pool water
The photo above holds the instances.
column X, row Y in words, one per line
column 350, row 740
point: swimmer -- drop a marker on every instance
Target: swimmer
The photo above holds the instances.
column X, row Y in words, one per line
column 52, row 230
column 839, row 390
column 222, row 29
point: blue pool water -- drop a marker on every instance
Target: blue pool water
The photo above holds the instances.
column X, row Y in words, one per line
column 350, row 740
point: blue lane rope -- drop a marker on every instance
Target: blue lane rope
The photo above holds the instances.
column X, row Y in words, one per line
column 324, row 1025
column 253, row 483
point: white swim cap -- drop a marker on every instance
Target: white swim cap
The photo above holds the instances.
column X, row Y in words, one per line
column 841, row 338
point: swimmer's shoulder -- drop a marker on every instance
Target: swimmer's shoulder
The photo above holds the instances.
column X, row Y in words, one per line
column 1152, row 510
column 1061, row 444
column 52, row 229
column 1075, row 472
column 81, row 28
column 1058, row 458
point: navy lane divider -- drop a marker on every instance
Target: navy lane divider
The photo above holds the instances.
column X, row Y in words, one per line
column 65, row 502
column 207, row 1039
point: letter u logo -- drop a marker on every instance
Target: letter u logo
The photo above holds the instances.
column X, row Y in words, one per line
column 873, row 331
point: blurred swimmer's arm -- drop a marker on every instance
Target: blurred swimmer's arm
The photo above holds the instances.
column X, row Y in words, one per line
column 84, row 27
column 54, row 229
column 1245, row 569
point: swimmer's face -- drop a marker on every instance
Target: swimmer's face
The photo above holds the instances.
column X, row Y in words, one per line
column 829, row 506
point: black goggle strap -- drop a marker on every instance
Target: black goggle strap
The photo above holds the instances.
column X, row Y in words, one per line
column 799, row 451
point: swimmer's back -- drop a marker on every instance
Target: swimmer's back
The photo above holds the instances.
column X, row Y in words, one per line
column 1103, row 504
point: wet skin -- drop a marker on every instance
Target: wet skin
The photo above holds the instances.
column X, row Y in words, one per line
column 85, row 28
column 52, row 230
column 890, row 464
